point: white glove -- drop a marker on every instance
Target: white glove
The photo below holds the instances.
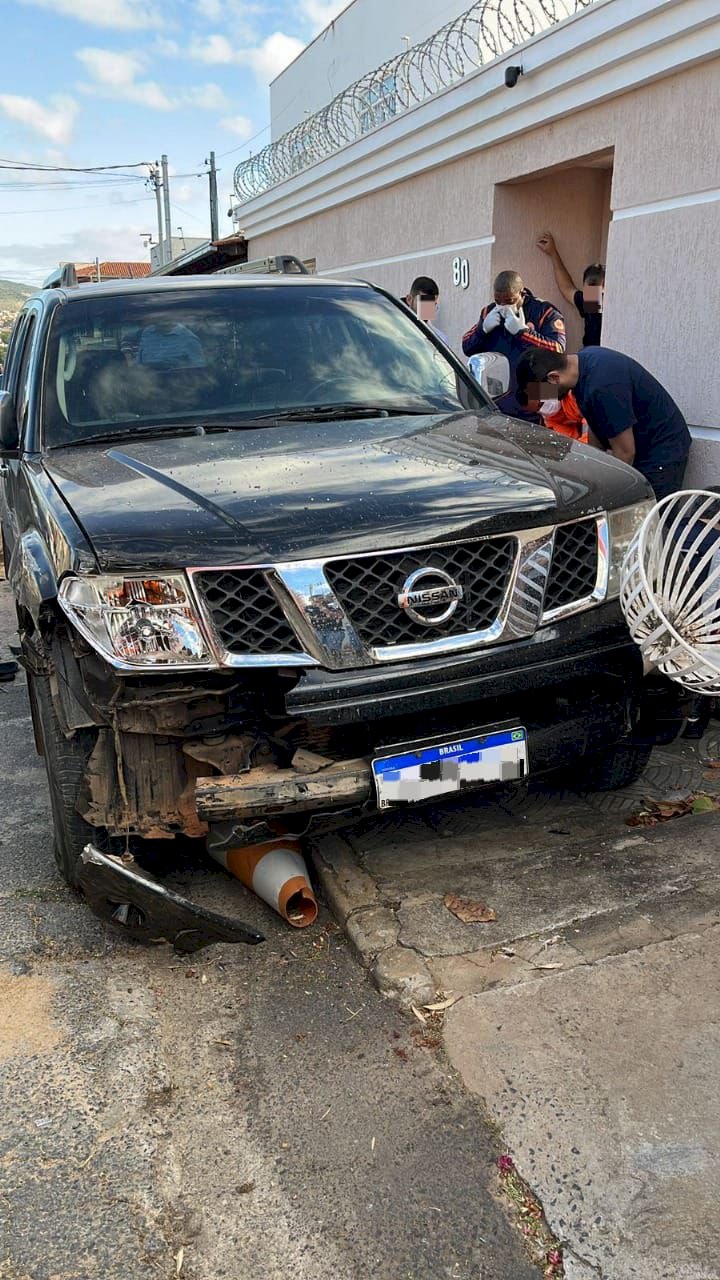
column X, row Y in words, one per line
column 492, row 320
column 515, row 321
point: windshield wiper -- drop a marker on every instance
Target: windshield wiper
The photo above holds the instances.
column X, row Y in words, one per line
column 340, row 413
column 134, row 433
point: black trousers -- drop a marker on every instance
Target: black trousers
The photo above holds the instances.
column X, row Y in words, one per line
column 666, row 479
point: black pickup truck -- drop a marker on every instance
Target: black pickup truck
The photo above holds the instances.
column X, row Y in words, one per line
column 279, row 561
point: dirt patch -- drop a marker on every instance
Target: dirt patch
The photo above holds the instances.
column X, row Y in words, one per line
column 27, row 1025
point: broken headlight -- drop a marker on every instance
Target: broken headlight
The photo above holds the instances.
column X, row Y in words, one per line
column 138, row 622
column 622, row 526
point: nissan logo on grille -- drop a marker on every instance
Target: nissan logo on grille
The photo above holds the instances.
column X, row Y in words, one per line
column 430, row 596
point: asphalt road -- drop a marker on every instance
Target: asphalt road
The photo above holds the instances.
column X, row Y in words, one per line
column 246, row 1113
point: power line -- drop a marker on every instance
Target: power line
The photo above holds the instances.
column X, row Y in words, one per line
column 24, row 165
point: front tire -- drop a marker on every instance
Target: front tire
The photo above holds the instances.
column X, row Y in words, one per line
column 612, row 769
column 65, row 764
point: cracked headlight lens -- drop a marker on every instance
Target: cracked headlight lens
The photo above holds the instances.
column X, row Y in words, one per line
column 137, row 622
column 622, row 527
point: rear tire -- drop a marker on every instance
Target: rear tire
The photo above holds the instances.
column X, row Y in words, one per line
column 65, row 764
column 613, row 769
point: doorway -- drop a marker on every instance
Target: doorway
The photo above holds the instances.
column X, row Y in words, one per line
column 571, row 200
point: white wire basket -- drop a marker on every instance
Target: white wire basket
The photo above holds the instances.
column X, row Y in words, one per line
column 670, row 589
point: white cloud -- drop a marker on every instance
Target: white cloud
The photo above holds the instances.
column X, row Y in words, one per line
column 54, row 121
column 272, row 56
column 267, row 59
column 210, row 9
column 241, row 126
column 118, row 15
column 206, row 97
column 114, row 75
column 319, row 13
column 34, row 259
column 166, row 48
column 215, row 49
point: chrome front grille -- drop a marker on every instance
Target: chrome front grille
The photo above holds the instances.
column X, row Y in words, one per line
column 368, row 588
column 574, row 571
column 345, row 612
column 244, row 612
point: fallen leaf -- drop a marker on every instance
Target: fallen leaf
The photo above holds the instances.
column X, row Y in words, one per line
column 179, row 1257
column 442, row 1004
column 245, row 1188
column 661, row 811
column 704, row 804
column 469, row 910
column 419, row 1014
column 713, row 764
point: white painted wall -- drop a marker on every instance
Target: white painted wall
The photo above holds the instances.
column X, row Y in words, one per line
column 361, row 38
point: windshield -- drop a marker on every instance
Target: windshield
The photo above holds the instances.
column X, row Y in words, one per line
column 222, row 356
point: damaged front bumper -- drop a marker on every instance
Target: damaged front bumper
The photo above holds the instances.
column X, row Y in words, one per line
column 124, row 894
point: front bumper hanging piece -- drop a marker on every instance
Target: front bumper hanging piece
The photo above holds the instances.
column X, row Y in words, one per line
column 122, row 893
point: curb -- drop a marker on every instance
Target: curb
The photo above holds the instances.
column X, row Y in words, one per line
column 370, row 924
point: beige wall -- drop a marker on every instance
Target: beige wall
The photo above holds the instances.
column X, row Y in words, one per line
column 663, row 300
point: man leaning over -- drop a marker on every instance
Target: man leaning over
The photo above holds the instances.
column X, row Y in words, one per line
column 629, row 414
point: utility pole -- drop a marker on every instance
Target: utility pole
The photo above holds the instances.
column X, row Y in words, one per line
column 156, row 184
column 212, row 178
column 166, row 204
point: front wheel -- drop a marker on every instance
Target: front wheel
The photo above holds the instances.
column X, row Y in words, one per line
column 612, row 769
column 65, row 763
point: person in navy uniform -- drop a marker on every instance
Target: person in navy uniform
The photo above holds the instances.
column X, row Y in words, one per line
column 629, row 414
column 515, row 322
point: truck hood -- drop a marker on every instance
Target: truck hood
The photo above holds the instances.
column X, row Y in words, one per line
column 296, row 491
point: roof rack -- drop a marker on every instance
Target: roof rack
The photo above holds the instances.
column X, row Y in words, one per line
column 64, row 277
column 285, row 264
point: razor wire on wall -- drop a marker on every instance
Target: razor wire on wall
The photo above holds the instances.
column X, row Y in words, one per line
column 487, row 30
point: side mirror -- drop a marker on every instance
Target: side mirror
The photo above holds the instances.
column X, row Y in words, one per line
column 9, row 435
column 492, row 371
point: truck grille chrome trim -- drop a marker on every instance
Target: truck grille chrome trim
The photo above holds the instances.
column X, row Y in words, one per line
column 579, row 577
column 507, row 579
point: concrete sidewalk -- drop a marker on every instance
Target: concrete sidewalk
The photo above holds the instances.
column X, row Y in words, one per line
column 588, row 1013
column 605, row 1083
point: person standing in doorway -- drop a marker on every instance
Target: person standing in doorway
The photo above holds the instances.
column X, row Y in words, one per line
column 515, row 322
column 588, row 300
column 629, row 414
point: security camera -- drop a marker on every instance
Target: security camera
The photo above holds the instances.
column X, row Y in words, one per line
column 512, row 75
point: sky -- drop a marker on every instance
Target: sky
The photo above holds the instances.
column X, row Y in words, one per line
column 120, row 82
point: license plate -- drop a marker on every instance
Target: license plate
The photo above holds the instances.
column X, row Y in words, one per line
column 416, row 773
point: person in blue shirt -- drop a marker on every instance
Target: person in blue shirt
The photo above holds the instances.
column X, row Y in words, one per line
column 515, row 322
column 628, row 412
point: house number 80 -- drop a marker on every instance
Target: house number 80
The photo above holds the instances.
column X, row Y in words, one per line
column 461, row 273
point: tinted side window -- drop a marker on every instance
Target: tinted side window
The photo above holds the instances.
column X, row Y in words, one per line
column 22, row 383
column 15, row 347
